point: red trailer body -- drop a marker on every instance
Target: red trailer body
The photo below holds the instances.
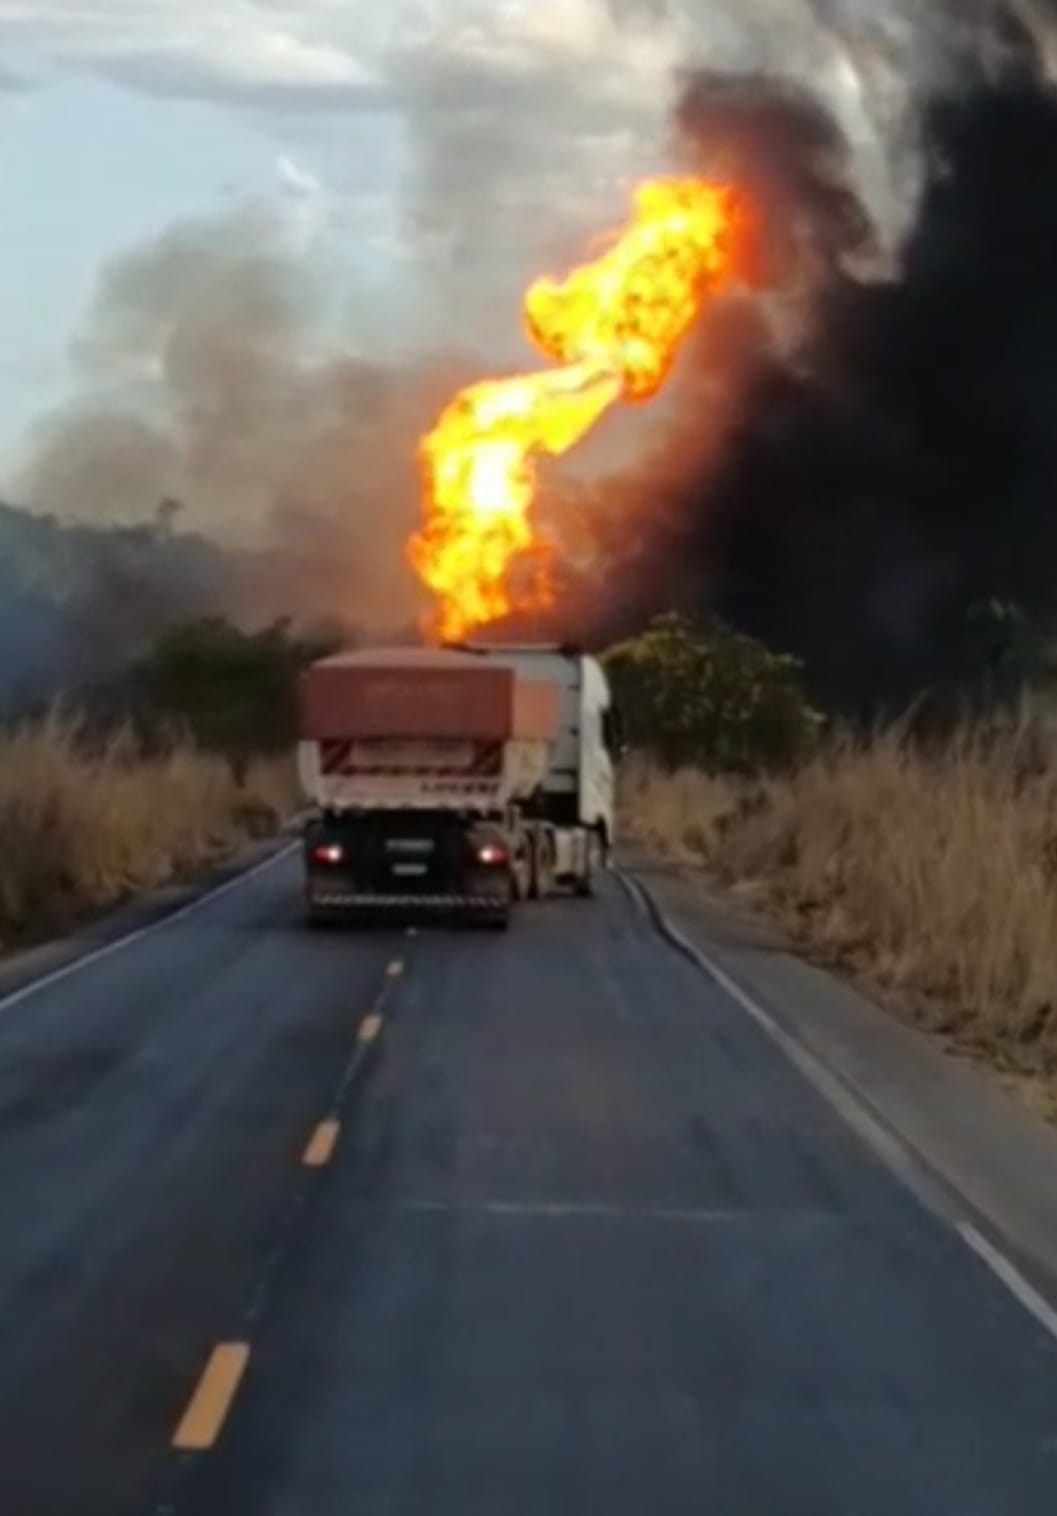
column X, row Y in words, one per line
column 424, row 695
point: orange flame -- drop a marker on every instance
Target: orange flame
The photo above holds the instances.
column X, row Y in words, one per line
column 614, row 326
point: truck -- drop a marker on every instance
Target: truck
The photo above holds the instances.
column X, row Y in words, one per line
column 461, row 779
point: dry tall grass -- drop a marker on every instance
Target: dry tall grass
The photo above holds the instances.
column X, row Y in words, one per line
column 83, row 826
column 934, row 874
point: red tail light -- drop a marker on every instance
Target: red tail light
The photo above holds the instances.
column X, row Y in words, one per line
column 328, row 853
column 493, row 854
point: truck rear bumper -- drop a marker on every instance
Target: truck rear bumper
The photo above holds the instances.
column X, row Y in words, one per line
column 348, row 900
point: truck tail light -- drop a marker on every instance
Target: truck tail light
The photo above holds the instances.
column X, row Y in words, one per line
column 328, row 853
column 493, row 854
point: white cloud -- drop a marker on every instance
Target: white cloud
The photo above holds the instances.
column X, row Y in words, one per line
column 299, row 181
column 513, row 116
column 248, row 50
column 579, row 57
column 327, row 54
column 330, row 51
column 310, row 203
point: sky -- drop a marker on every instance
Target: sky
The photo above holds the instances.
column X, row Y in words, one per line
column 422, row 156
column 125, row 117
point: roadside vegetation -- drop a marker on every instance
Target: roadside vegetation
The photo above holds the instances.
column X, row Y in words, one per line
column 192, row 759
column 699, row 693
column 84, row 823
column 928, row 868
column 227, row 691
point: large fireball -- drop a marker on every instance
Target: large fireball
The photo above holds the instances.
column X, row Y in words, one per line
column 614, row 328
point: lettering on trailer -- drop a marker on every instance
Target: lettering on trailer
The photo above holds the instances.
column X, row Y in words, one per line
column 379, row 789
column 339, row 757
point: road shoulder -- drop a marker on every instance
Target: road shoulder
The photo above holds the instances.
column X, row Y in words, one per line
column 991, row 1161
column 24, row 969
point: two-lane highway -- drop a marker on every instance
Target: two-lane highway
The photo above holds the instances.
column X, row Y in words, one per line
column 153, row 1108
column 582, row 1239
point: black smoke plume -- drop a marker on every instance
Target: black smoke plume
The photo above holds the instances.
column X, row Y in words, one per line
column 861, row 463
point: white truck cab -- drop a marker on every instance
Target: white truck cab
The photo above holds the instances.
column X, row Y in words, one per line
column 579, row 788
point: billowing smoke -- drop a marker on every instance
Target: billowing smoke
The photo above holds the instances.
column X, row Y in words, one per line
column 860, row 462
column 209, row 389
column 856, row 452
column 77, row 602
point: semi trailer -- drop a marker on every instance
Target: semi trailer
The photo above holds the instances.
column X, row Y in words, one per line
column 460, row 779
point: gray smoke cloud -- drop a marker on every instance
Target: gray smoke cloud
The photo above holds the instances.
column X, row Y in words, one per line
column 212, row 373
column 203, row 381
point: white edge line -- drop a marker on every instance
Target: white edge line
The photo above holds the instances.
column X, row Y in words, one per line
column 633, row 890
column 1010, row 1276
column 887, row 1146
column 8, row 1002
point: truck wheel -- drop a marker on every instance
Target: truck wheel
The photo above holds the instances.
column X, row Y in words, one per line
column 585, row 884
column 497, row 913
column 542, row 867
column 535, row 864
column 522, row 872
column 496, row 919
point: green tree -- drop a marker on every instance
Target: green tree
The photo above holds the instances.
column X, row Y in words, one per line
column 698, row 693
column 234, row 692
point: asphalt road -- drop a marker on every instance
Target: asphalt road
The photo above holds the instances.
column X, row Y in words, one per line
column 585, row 1242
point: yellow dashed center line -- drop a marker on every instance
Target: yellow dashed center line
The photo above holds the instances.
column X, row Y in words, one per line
column 211, row 1401
column 320, row 1149
column 370, row 1028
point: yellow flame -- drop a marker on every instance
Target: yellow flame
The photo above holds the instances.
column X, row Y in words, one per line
column 614, row 326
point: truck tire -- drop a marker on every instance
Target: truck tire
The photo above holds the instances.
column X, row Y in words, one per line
column 542, row 866
column 535, row 864
column 522, row 870
column 496, row 913
column 496, row 919
column 584, row 887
